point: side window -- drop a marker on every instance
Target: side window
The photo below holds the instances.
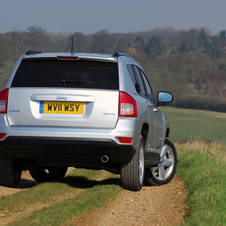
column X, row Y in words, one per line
column 139, row 81
column 148, row 87
column 130, row 70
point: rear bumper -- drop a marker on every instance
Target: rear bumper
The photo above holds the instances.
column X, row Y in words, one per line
column 64, row 149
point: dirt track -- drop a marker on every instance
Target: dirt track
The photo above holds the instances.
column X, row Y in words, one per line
column 163, row 205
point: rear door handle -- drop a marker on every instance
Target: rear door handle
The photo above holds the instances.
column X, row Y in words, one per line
column 155, row 109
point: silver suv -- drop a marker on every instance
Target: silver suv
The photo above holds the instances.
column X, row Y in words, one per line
column 92, row 111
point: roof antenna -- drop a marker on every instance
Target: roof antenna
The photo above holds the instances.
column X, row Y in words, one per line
column 72, row 49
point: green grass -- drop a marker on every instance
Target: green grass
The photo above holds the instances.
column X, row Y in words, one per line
column 186, row 124
column 62, row 202
column 68, row 211
column 48, row 192
column 201, row 164
column 203, row 169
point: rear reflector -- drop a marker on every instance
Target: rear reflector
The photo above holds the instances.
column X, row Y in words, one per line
column 3, row 100
column 2, row 136
column 67, row 57
column 127, row 105
column 125, row 140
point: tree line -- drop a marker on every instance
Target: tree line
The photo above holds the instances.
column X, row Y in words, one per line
column 189, row 63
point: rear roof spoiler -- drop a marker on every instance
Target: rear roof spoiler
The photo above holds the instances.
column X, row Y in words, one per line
column 30, row 52
column 118, row 54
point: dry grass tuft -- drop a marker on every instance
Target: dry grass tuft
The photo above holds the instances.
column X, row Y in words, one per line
column 204, row 145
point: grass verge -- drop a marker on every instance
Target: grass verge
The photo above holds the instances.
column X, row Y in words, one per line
column 48, row 192
column 67, row 211
column 202, row 166
column 61, row 202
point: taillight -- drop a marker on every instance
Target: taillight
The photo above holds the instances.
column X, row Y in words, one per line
column 3, row 100
column 127, row 105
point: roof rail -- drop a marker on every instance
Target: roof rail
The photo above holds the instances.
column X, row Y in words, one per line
column 118, row 54
column 30, row 52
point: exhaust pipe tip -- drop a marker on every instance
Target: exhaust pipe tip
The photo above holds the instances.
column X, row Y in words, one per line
column 104, row 158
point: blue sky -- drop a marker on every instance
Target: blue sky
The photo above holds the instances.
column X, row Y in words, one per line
column 90, row 16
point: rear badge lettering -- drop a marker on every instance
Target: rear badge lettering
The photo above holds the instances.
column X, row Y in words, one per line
column 17, row 111
column 61, row 98
column 108, row 113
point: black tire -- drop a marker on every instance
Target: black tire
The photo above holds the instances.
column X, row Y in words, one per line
column 10, row 172
column 41, row 174
column 165, row 171
column 132, row 171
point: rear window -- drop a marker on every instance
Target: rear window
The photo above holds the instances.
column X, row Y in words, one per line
column 67, row 74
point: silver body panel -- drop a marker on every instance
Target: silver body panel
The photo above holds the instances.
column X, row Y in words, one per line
column 24, row 105
column 100, row 119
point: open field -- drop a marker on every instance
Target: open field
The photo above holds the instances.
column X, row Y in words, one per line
column 186, row 124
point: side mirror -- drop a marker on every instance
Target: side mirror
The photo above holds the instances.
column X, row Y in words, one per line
column 164, row 97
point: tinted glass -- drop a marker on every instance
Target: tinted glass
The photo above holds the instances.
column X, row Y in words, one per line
column 148, row 87
column 129, row 68
column 67, row 74
column 140, row 82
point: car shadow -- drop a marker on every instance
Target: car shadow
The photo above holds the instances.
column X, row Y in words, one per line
column 26, row 183
column 73, row 181
column 83, row 182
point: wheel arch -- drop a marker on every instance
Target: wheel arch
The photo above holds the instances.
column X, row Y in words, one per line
column 167, row 132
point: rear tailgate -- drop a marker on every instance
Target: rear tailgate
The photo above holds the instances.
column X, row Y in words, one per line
column 62, row 108
column 51, row 92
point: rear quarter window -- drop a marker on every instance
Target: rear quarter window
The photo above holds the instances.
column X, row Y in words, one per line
column 67, row 74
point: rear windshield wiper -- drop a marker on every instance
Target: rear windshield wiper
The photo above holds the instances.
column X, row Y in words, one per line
column 77, row 82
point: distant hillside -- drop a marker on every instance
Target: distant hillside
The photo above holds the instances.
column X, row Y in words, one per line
column 189, row 63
